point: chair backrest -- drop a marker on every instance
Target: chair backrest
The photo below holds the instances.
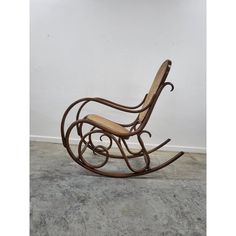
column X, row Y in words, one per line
column 158, row 81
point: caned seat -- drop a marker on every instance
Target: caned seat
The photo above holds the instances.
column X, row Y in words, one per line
column 108, row 125
column 117, row 134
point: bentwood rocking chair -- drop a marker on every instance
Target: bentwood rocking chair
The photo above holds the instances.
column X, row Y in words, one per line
column 117, row 133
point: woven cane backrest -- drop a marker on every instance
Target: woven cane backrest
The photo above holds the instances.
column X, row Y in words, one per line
column 159, row 79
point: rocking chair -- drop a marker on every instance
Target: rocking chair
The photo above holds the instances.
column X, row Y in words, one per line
column 117, row 133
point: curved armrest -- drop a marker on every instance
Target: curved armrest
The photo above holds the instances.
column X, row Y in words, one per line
column 117, row 104
column 114, row 105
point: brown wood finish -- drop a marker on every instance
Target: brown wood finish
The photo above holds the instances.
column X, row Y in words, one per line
column 116, row 133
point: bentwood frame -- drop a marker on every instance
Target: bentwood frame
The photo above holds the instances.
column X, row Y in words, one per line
column 117, row 133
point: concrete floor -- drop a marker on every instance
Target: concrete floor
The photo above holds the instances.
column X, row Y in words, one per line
column 67, row 200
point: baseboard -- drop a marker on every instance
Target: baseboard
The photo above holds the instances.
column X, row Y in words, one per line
column 167, row 147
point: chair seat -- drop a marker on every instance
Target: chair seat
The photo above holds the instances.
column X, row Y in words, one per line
column 108, row 125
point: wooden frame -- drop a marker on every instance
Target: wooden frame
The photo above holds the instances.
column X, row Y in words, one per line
column 116, row 133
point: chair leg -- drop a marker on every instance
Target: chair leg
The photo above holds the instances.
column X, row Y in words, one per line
column 105, row 151
column 144, row 151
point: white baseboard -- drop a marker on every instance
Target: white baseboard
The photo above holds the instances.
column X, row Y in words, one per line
column 167, row 147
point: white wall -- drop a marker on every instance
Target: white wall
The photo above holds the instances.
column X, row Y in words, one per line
column 112, row 49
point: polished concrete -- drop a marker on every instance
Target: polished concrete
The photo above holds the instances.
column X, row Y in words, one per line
column 67, row 200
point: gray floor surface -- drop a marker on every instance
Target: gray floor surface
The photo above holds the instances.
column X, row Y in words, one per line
column 67, row 200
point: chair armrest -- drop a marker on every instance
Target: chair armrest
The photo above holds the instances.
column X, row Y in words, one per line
column 120, row 105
